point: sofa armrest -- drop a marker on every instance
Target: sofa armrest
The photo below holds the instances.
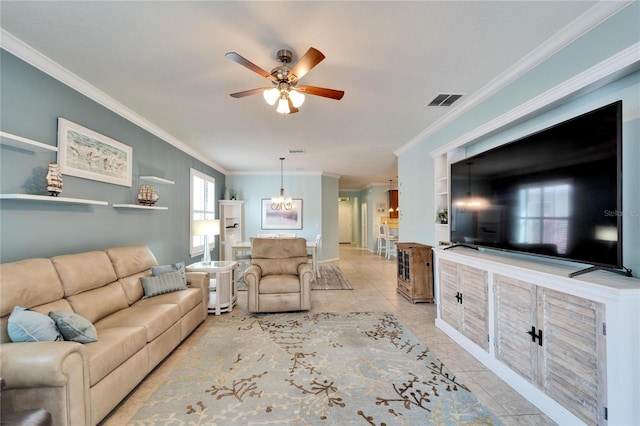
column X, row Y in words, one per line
column 49, row 375
column 251, row 278
column 200, row 280
column 34, row 364
column 305, row 271
column 252, row 275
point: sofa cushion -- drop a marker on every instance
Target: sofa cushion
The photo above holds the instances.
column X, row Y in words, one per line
column 274, row 284
column 163, row 269
column 133, row 286
column 185, row 299
column 163, row 283
column 31, row 326
column 155, row 318
column 28, row 283
column 74, row 327
column 131, row 260
column 99, row 303
column 84, row 271
column 116, row 345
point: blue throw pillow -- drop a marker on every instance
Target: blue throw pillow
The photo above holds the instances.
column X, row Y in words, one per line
column 163, row 269
column 31, row 326
column 161, row 284
column 74, row 327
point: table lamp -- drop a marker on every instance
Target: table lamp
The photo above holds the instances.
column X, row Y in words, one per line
column 206, row 228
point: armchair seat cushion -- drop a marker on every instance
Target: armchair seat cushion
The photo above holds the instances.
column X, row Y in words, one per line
column 275, row 284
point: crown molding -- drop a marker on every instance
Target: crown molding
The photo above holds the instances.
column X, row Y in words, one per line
column 618, row 65
column 25, row 52
column 593, row 17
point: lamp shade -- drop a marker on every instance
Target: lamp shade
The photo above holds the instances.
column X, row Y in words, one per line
column 283, row 106
column 296, row 97
column 271, row 95
column 206, row 227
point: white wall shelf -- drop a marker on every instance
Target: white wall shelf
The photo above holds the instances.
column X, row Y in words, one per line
column 138, row 206
column 24, row 143
column 50, row 199
column 157, row 180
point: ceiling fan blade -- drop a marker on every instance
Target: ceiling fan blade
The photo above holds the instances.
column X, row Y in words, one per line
column 310, row 59
column 321, row 91
column 292, row 109
column 248, row 64
column 248, row 92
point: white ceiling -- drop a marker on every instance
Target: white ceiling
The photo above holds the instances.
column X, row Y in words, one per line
column 164, row 62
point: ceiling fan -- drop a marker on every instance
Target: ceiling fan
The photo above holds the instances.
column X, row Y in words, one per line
column 286, row 90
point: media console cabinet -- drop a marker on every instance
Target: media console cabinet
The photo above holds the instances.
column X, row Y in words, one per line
column 571, row 346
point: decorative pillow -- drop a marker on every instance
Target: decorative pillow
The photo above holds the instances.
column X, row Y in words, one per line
column 74, row 327
column 31, row 326
column 163, row 269
column 161, row 284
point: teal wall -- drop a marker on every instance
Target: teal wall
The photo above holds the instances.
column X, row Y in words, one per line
column 415, row 165
column 329, row 220
column 30, row 105
column 319, row 196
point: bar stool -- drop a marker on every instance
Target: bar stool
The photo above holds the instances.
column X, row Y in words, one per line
column 379, row 239
column 390, row 241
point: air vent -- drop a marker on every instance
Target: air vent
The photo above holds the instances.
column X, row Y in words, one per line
column 445, row 99
column 296, row 151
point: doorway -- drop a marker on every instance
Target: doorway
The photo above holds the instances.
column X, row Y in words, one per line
column 364, row 225
column 345, row 221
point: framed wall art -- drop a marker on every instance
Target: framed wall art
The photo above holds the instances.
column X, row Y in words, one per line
column 281, row 219
column 87, row 154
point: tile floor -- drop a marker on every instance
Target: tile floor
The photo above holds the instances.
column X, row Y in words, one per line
column 374, row 289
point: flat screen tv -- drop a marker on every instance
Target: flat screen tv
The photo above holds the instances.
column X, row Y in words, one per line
column 555, row 193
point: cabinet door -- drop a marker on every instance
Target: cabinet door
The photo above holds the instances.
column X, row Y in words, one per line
column 448, row 288
column 514, row 316
column 572, row 358
column 475, row 305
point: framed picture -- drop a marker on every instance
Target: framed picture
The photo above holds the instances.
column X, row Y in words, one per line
column 281, row 219
column 90, row 155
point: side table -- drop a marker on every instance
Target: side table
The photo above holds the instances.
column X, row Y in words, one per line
column 223, row 288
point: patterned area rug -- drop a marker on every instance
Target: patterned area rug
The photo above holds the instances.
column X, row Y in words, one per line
column 331, row 278
column 311, row 369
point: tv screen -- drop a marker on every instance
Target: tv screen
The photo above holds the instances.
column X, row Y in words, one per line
column 554, row 193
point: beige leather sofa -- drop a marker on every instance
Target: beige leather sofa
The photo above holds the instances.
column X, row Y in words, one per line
column 79, row 384
column 279, row 278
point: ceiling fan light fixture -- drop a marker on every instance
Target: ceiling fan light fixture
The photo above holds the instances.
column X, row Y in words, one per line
column 286, row 92
column 296, row 97
column 283, row 105
column 271, row 95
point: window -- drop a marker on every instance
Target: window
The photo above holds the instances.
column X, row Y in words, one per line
column 544, row 215
column 202, row 207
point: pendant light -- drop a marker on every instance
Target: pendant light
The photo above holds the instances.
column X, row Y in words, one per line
column 281, row 202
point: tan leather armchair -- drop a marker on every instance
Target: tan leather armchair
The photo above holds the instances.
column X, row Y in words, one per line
column 279, row 278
